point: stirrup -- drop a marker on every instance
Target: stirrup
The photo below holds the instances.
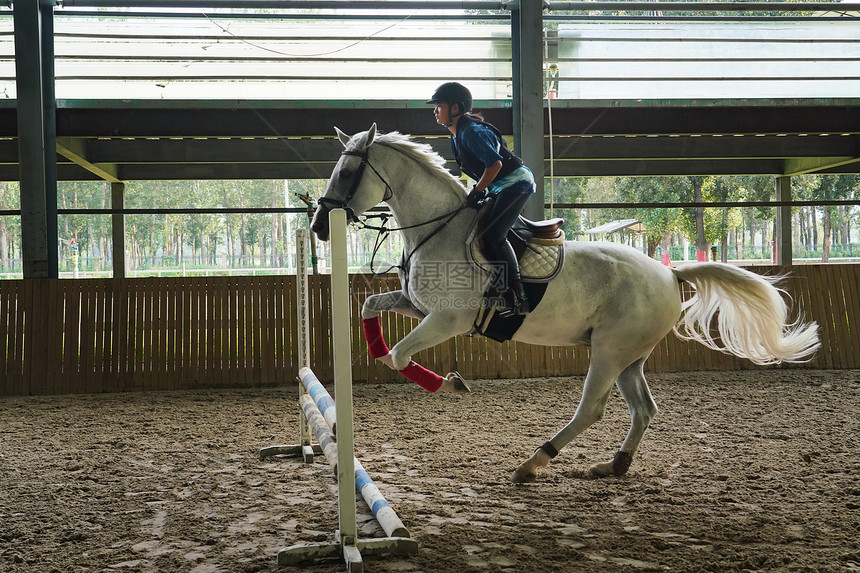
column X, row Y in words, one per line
column 514, row 305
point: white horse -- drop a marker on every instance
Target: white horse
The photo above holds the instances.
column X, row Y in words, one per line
column 607, row 296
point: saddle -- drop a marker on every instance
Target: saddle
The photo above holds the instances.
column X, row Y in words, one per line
column 549, row 229
column 539, row 246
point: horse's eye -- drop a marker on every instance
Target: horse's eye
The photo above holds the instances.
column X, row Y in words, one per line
column 345, row 173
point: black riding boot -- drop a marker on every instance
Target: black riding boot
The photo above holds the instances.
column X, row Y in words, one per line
column 515, row 296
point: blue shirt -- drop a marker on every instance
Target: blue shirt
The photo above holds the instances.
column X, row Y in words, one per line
column 481, row 142
column 484, row 145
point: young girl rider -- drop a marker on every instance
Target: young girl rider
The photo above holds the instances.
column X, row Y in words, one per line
column 483, row 155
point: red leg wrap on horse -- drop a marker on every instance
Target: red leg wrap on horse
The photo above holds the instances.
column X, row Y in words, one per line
column 373, row 334
column 428, row 380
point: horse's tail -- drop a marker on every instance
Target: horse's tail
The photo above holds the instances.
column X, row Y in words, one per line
column 751, row 315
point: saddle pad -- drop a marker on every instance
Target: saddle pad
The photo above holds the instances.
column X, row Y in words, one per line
column 540, row 262
column 500, row 328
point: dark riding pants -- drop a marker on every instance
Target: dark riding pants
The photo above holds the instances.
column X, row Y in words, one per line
column 506, row 207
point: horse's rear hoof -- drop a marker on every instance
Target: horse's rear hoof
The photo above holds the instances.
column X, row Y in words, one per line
column 617, row 467
column 524, row 477
column 602, row 470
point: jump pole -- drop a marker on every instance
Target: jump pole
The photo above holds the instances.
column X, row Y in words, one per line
column 303, row 449
column 346, row 537
column 382, row 510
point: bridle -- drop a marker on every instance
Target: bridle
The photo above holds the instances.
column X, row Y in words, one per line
column 383, row 231
column 329, row 203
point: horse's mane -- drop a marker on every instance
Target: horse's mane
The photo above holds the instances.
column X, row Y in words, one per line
column 420, row 152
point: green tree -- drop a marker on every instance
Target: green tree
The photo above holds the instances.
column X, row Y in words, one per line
column 832, row 188
column 724, row 219
column 10, row 225
column 660, row 223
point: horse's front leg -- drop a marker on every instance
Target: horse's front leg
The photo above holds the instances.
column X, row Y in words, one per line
column 374, row 305
column 435, row 329
column 397, row 301
column 394, row 301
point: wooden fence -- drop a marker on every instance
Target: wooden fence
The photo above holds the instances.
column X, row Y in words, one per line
column 104, row 335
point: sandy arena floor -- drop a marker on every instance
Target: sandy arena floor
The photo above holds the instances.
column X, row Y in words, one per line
column 740, row 471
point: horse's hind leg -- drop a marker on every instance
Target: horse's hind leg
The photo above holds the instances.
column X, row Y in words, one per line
column 633, row 387
column 602, row 373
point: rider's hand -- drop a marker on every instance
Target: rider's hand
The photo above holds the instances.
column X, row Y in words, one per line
column 475, row 198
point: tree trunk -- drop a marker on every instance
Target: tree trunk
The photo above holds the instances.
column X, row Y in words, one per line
column 4, row 245
column 825, row 248
column 243, row 247
column 736, row 238
column 701, row 242
column 814, row 225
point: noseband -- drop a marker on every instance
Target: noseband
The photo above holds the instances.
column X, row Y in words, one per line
column 329, row 203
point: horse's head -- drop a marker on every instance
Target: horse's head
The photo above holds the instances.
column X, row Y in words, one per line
column 347, row 188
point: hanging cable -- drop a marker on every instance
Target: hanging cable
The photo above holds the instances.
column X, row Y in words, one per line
column 549, row 84
column 344, row 48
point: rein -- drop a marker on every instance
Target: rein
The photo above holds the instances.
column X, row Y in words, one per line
column 383, row 231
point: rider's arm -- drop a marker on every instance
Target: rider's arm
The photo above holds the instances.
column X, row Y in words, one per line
column 489, row 174
column 485, row 146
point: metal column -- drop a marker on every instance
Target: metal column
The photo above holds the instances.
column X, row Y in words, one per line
column 117, row 201
column 782, row 222
column 528, row 115
column 49, row 105
column 35, row 133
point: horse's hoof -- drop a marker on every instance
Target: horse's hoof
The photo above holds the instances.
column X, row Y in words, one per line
column 387, row 360
column 524, row 477
column 602, row 470
column 454, row 382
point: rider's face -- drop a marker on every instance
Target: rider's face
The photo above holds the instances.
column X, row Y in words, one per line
column 442, row 113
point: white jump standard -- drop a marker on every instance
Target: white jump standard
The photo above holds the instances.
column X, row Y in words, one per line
column 303, row 347
column 337, row 447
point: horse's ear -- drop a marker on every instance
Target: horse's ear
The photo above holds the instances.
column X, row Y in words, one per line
column 366, row 139
column 344, row 138
column 371, row 134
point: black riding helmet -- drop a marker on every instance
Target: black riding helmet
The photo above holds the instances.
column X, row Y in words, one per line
column 451, row 93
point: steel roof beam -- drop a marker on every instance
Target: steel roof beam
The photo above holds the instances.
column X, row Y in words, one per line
column 74, row 150
column 817, row 164
column 706, row 6
column 566, row 148
column 293, row 4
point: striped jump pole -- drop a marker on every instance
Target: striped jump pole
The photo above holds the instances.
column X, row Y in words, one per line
column 315, row 406
column 320, row 396
column 323, row 433
column 382, row 510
